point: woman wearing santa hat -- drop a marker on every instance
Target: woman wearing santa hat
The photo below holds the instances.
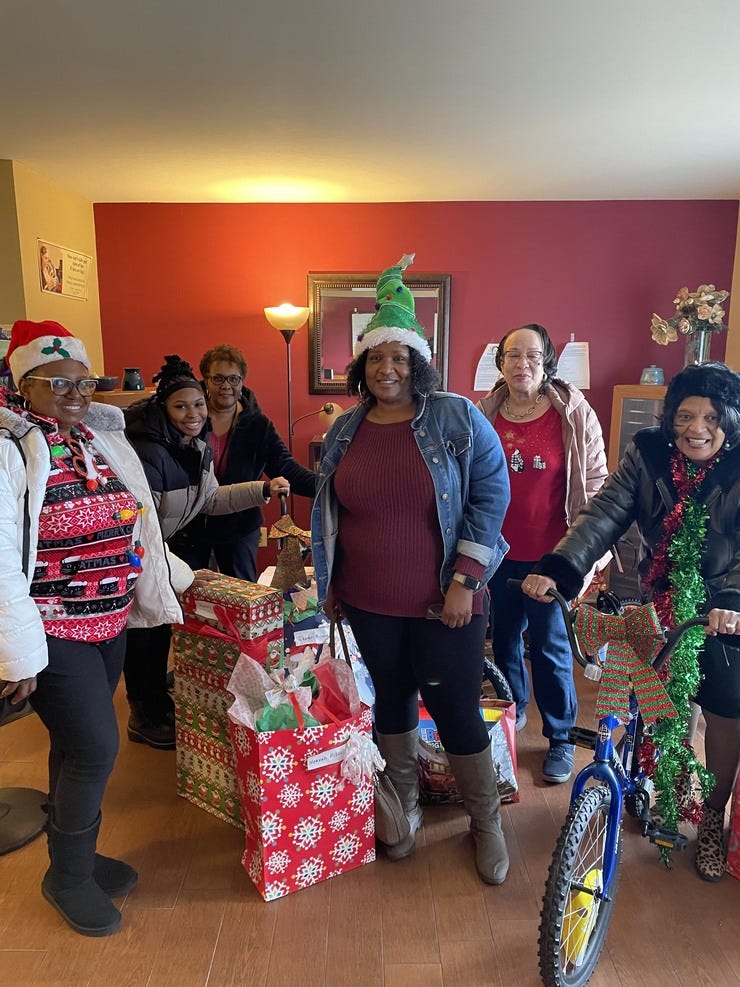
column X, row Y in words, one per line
column 81, row 554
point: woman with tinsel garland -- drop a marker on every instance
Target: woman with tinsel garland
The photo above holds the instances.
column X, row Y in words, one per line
column 680, row 483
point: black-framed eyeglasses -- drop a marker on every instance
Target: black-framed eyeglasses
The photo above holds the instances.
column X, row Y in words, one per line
column 63, row 385
column 233, row 380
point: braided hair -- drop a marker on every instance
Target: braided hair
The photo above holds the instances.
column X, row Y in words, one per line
column 174, row 374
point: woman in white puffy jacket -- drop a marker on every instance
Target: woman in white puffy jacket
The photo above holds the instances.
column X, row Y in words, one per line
column 81, row 555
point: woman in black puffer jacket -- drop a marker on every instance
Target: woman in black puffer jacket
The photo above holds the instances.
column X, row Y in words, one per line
column 165, row 432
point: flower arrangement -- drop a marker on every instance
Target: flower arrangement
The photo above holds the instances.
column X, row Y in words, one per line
column 696, row 311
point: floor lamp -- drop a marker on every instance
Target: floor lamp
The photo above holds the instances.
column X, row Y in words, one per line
column 287, row 319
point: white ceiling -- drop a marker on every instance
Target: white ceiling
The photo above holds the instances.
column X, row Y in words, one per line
column 342, row 100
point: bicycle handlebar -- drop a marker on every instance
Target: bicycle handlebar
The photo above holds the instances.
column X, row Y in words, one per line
column 669, row 638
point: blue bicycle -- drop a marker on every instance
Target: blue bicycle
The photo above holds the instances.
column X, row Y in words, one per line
column 584, row 873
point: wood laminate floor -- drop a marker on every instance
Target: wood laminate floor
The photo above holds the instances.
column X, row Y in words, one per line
column 196, row 921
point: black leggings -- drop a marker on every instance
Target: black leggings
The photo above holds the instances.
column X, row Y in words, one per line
column 74, row 700
column 145, row 670
column 410, row 655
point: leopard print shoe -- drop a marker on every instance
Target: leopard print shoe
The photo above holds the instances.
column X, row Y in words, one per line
column 710, row 850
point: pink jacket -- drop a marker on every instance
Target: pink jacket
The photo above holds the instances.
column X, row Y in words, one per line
column 585, row 457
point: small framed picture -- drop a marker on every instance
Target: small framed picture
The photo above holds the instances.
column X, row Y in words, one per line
column 360, row 321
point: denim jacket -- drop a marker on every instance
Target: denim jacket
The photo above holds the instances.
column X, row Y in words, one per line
column 468, row 470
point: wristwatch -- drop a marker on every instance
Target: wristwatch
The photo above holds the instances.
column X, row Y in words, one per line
column 469, row 582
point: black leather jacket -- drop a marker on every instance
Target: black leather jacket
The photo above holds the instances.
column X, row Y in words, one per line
column 641, row 490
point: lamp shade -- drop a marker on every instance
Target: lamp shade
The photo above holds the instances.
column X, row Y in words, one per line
column 286, row 316
column 329, row 414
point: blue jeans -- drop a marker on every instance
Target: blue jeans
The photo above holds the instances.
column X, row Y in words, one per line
column 74, row 700
column 512, row 612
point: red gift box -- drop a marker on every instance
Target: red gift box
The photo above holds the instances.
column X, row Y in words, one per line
column 733, row 850
column 304, row 822
column 221, row 618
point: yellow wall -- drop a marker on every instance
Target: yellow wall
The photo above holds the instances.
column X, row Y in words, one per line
column 48, row 211
column 12, row 301
column 732, row 353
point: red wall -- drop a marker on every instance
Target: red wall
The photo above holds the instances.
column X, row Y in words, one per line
column 180, row 278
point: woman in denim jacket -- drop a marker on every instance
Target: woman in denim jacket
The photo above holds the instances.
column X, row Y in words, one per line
column 411, row 495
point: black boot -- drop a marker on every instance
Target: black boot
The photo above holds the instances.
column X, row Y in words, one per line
column 115, row 877
column 156, row 728
column 69, row 884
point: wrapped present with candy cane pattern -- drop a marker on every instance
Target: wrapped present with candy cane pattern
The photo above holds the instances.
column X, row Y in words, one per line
column 307, row 794
column 222, row 617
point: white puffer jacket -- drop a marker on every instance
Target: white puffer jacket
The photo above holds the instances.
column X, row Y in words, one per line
column 22, row 488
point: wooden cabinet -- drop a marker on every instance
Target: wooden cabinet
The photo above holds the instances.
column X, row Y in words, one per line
column 122, row 399
column 314, row 452
column 634, row 406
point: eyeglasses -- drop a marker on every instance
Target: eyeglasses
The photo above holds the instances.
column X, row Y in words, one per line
column 514, row 356
column 233, row 380
column 63, row 385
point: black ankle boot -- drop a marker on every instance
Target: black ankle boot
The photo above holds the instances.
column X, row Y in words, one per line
column 69, row 884
column 115, row 877
column 155, row 730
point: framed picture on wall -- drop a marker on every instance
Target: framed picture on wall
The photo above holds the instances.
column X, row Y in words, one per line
column 360, row 321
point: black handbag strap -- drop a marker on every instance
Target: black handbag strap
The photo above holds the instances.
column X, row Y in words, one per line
column 334, row 628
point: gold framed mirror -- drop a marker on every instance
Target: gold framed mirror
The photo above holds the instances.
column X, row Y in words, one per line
column 341, row 304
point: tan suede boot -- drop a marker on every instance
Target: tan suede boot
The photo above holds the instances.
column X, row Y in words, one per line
column 476, row 782
column 400, row 751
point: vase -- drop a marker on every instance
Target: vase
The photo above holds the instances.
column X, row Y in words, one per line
column 697, row 347
column 132, row 379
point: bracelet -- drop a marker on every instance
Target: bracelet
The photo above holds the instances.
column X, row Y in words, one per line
column 265, row 490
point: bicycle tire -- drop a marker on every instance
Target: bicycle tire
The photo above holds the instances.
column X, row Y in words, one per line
column 495, row 684
column 573, row 924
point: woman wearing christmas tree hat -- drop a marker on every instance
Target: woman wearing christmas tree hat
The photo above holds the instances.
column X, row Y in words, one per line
column 82, row 554
column 406, row 527
column 680, row 483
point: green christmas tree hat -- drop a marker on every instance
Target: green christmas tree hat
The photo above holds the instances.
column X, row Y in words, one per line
column 395, row 318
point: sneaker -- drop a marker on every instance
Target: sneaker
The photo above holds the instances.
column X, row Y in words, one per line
column 558, row 765
column 521, row 721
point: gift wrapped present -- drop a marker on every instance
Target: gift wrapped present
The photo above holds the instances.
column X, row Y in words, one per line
column 436, row 778
column 221, row 619
column 733, row 850
column 307, row 792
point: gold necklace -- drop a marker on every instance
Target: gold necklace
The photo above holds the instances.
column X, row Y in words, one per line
column 527, row 413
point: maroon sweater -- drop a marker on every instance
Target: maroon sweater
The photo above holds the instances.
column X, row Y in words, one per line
column 389, row 546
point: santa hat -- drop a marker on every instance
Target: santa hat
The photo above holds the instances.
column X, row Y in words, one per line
column 395, row 319
column 33, row 344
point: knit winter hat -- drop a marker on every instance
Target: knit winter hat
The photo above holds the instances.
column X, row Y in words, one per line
column 174, row 374
column 32, row 344
column 395, row 319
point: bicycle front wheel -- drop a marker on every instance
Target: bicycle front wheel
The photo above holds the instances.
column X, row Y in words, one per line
column 574, row 919
column 495, row 684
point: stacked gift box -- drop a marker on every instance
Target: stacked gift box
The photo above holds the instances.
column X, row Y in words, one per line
column 222, row 618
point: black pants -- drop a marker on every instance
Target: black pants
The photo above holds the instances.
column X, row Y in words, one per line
column 74, row 700
column 409, row 655
column 145, row 670
column 235, row 558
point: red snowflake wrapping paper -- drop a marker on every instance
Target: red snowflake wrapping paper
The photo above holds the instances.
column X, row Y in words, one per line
column 303, row 821
column 733, row 851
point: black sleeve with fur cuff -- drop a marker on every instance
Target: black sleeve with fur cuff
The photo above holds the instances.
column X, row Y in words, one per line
column 567, row 578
